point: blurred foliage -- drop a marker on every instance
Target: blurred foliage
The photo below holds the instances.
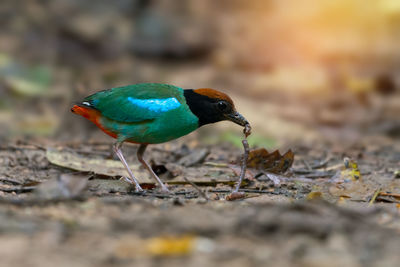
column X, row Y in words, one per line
column 24, row 80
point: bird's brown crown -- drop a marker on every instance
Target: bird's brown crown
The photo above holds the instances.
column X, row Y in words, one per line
column 214, row 94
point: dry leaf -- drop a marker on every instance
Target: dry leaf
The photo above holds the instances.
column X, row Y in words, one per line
column 114, row 168
column 272, row 162
column 100, row 166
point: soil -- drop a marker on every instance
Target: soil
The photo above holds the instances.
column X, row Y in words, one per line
column 86, row 219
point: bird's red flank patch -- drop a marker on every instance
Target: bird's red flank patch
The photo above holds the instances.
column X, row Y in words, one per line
column 214, row 94
column 92, row 115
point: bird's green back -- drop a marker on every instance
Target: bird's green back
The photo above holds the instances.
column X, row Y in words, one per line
column 136, row 103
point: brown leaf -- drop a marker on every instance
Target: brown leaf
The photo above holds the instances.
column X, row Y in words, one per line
column 272, row 162
column 112, row 168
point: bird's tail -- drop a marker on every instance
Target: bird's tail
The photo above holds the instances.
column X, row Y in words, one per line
column 88, row 113
column 92, row 115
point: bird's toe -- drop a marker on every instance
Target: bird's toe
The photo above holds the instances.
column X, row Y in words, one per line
column 139, row 189
column 164, row 189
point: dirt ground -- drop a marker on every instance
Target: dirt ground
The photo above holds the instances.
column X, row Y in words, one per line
column 310, row 217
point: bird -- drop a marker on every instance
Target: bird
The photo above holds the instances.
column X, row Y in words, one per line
column 153, row 113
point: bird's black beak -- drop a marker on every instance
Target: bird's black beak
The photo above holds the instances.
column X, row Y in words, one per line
column 237, row 118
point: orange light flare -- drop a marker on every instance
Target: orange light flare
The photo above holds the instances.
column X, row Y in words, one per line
column 343, row 36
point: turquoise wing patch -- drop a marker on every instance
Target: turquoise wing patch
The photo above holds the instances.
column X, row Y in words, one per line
column 156, row 105
column 136, row 103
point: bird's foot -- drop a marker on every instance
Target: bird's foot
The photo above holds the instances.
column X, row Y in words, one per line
column 138, row 188
column 165, row 190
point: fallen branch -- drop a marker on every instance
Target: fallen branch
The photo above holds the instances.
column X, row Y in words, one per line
column 376, row 194
column 247, row 132
column 235, row 193
column 201, row 192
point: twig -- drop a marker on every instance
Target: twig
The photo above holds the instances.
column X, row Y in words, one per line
column 235, row 193
column 213, row 164
column 334, row 167
column 23, row 147
column 244, row 165
column 10, row 181
column 148, row 194
column 18, row 189
column 201, row 192
column 321, row 164
column 245, row 190
column 319, row 174
column 39, row 202
column 306, row 165
column 389, row 194
column 376, row 194
column 388, row 197
column 92, row 152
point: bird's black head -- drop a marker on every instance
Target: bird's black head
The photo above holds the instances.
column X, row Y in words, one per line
column 211, row 106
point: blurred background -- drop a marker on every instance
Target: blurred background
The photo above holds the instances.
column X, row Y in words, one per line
column 299, row 71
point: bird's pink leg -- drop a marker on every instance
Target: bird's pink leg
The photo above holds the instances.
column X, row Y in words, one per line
column 140, row 152
column 132, row 179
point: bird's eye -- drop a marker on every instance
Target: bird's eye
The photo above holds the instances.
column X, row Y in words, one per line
column 222, row 105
